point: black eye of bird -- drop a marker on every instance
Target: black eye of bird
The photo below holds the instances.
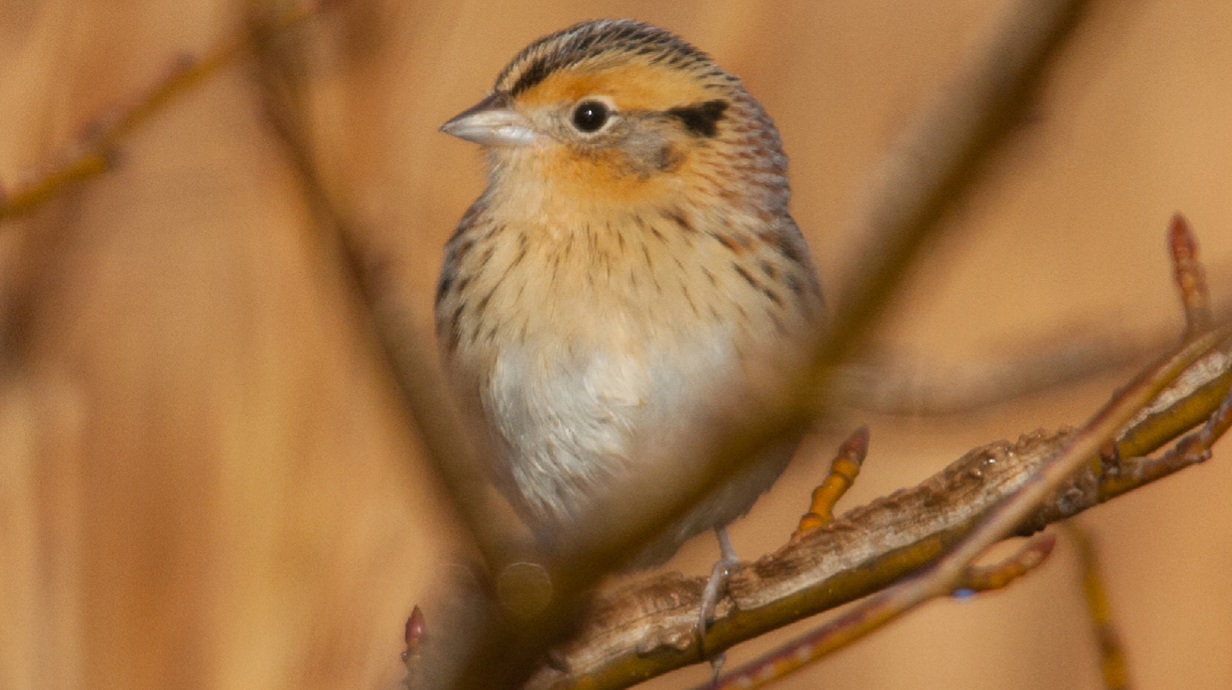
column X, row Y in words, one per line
column 590, row 116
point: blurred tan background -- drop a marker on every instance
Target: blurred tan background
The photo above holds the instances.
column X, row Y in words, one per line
column 207, row 479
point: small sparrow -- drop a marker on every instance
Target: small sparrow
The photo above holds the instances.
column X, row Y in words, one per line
column 629, row 283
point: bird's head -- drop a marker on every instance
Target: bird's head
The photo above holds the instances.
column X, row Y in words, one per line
column 621, row 111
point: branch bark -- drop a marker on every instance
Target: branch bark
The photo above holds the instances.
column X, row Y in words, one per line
column 647, row 628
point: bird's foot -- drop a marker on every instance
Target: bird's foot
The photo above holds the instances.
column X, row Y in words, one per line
column 715, row 588
column 716, row 665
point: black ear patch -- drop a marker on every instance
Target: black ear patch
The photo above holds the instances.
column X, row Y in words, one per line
column 701, row 119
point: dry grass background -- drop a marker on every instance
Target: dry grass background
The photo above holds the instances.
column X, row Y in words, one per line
column 208, row 481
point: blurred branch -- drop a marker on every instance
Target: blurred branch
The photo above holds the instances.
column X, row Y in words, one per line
column 940, row 157
column 94, row 153
column 1111, row 650
column 915, row 387
column 899, row 384
column 283, row 90
column 472, row 626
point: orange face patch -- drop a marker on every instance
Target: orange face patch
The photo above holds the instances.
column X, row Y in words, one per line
column 603, row 175
column 631, row 86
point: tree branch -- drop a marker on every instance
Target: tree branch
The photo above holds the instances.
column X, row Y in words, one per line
column 646, row 629
column 93, row 154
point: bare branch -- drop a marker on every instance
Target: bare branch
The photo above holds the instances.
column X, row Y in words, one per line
column 1003, row 520
column 899, row 384
column 94, row 153
column 645, row 629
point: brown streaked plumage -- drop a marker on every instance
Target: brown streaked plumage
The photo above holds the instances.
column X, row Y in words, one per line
column 630, row 278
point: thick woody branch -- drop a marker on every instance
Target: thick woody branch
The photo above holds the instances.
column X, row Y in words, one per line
column 646, row 629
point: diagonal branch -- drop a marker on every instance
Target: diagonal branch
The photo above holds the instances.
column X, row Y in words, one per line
column 645, row 629
column 94, row 153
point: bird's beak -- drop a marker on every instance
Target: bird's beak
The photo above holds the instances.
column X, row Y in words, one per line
column 493, row 123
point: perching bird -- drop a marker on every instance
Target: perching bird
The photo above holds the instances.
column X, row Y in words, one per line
column 629, row 283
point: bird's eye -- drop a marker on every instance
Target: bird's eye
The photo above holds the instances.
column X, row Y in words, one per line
column 590, row 116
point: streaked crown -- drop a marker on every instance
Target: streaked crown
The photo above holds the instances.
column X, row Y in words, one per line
column 592, row 44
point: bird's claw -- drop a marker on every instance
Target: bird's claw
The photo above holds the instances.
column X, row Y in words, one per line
column 716, row 586
column 716, row 665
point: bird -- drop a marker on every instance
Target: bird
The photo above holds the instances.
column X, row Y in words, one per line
column 629, row 283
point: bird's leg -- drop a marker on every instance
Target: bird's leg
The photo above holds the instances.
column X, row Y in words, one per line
column 715, row 587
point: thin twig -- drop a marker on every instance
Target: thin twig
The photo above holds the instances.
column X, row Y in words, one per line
column 843, row 472
column 987, row 578
column 1193, row 449
column 1111, row 649
column 785, row 660
column 1183, row 406
column 1190, row 276
column 94, row 154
